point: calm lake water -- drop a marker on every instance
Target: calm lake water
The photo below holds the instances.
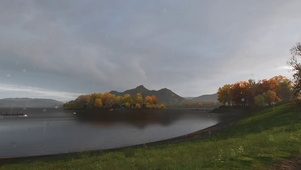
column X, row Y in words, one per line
column 54, row 131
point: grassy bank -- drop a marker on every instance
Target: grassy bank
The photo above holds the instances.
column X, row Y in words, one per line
column 257, row 141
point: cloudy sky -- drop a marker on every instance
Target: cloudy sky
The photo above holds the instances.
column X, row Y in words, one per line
column 60, row 49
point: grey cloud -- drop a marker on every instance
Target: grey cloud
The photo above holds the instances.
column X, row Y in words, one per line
column 192, row 47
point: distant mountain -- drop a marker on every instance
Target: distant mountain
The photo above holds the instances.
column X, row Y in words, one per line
column 165, row 95
column 205, row 98
column 30, row 103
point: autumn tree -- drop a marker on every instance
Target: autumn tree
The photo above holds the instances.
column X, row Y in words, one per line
column 162, row 106
column 283, row 88
column 108, row 100
column 151, row 102
column 97, row 103
column 128, row 100
column 249, row 93
column 118, row 101
column 155, row 99
column 265, row 85
column 224, row 94
column 139, row 98
column 138, row 101
column 138, row 106
column 271, row 97
column 293, row 61
column 242, row 94
column 148, row 102
column 93, row 97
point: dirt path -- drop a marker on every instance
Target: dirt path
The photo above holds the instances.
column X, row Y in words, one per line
column 293, row 163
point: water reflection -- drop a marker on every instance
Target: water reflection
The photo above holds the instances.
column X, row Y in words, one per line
column 136, row 118
column 53, row 131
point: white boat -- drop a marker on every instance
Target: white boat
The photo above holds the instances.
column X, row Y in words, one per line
column 24, row 115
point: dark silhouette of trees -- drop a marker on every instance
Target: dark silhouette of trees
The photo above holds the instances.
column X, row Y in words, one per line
column 293, row 61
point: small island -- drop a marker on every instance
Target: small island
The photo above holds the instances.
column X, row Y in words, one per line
column 13, row 114
column 108, row 101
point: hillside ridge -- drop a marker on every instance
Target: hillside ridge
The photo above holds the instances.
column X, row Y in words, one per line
column 205, row 98
column 165, row 95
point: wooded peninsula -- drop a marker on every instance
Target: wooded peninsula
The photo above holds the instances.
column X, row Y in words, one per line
column 110, row 101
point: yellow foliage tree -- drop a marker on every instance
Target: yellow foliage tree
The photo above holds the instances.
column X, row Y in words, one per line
column 98, row 103
column 137, row 106
column 108, row 100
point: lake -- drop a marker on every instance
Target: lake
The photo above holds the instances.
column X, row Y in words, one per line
column 56, row 131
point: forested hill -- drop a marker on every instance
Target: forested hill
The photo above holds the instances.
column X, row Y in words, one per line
column 165, row 95
column 29, row 103
column 206, row 98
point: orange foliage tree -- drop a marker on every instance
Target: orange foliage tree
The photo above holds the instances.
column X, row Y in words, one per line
column 109, row 101
column 249, row 93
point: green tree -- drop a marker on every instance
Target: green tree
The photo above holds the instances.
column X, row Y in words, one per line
column 260, row 100
column 83, row 101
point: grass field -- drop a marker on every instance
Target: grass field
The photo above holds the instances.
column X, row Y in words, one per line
column 259, row 140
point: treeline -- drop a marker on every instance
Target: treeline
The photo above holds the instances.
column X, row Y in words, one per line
column 110, row 101
column 194, row 104
column 251, row 94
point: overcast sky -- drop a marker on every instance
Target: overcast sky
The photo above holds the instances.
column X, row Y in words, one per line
column 61, row 49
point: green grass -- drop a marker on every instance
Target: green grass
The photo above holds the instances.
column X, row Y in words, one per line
column 260, row 139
